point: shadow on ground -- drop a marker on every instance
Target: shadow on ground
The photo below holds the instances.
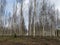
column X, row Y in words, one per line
column 29, row 41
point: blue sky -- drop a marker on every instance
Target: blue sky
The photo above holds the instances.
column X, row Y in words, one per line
column 57, row 3
column 10, row 9
column 9, row 5
column 11, row 2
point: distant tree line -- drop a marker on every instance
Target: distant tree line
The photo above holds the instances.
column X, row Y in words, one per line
column 42, row 17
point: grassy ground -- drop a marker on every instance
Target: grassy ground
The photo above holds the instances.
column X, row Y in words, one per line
column 29, row 41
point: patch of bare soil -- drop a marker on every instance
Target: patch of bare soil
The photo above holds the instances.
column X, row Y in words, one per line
column 31, row 41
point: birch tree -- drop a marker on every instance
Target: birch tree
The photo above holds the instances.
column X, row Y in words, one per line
column 30, row 15
column 43, row 14
column 2, row 12
column 34, row 15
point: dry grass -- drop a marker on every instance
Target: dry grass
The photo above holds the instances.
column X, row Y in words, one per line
column 29, row 41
